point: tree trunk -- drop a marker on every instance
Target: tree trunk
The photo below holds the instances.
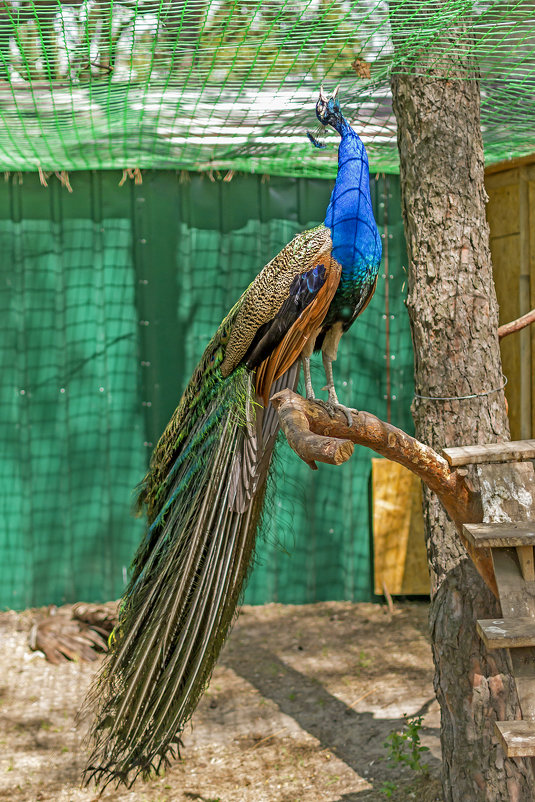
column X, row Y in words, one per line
column 454, row 319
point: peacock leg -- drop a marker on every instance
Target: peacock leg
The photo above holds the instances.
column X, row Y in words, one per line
column 309, row 390
column 306, row 353
column 331, row 389
column 329, row 354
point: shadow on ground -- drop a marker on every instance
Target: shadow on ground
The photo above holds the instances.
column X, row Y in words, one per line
column 357, row 738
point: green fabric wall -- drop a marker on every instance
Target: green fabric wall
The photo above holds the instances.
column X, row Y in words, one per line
column 109, row 295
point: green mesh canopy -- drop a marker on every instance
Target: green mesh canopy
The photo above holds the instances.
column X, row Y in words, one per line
column 231, row 84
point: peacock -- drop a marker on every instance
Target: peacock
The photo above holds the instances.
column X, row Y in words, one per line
column 204, row 490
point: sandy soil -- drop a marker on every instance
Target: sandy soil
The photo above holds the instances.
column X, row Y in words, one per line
column 298, row 710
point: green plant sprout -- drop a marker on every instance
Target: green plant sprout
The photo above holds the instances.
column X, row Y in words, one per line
column 404, row 745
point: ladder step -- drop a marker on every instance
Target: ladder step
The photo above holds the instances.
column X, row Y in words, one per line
column 503, row 535
column 515, row 451
column 506, row 633
column 517, row 737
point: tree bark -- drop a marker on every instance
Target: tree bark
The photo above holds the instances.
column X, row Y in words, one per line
column 453, row 313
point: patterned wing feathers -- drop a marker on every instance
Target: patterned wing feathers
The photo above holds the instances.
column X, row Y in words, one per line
column 266, row 294
column 293, row 342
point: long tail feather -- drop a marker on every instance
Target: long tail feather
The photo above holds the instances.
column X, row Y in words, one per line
column 188, row 574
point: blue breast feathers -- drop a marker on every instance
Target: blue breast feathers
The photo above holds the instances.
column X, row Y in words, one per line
column 356, row 240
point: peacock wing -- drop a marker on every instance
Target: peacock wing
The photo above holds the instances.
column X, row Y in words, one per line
column 271, row 289
column 296, row 335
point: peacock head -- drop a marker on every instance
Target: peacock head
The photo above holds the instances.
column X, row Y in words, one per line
column 328, row 110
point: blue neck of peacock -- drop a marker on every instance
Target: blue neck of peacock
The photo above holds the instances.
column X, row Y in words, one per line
column 356, row 240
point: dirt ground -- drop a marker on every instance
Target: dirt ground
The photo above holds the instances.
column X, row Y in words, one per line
column 298, row 710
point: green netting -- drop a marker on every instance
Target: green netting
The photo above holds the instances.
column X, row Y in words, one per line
column 231, row 84
column 69, row 413
column 109, row 296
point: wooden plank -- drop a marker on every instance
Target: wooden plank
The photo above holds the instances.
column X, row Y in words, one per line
column 501, row 535
column 532, row 282
column 523, row 662
column 514, row 600
column 499, row 180
column 524, row 336
column 508, row 492
column 517, row 737
column 502, row 210
column 509, row 164
column 516, row 603
column 400, row 559
column 525, row 558
column 391, row 521
column 416, row 580
column 508, row 176
column 505, row 253
column 507, row 633
column 514, row 451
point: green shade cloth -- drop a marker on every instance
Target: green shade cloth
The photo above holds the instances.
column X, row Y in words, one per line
column 108, row 298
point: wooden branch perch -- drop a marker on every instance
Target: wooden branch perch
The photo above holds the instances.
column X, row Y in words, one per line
column 315, row 436
column 517, row 325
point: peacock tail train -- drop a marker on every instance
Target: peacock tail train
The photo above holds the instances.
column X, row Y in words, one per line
column 206, row 483
column 204, row 494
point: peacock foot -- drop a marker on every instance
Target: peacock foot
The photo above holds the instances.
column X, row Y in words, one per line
column 332, row 407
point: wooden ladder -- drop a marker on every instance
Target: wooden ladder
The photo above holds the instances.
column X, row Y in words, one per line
column 507, row 484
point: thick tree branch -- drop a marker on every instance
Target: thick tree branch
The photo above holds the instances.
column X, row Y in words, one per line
column 315, row 436
column 517, row 325
column 307, row 445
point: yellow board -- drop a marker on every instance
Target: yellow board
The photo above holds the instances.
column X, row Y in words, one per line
column 400, row 559
column 511, row 217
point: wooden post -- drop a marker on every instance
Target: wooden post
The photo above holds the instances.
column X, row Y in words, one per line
column 524, row 303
